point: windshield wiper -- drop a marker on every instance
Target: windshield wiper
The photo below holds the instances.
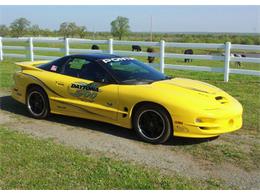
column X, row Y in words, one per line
column 137, row 81
column 148, row 81
column 166, row 78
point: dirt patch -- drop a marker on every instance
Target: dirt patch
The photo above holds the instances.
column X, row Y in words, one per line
column 123, row 144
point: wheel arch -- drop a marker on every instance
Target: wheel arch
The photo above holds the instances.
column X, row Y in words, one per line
column 139, row 104
column 31, row 85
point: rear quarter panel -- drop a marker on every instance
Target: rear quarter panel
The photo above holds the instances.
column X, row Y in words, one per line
column 27, row 77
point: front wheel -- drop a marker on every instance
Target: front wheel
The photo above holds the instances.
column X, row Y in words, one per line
column 37, row 103
column 152, row 124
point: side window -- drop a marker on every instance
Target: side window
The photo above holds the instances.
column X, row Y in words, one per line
column 74, row 66
column 94, row 72
column 55, row 66
column 77, row 63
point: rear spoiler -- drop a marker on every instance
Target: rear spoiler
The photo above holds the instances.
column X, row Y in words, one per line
column 30, row 65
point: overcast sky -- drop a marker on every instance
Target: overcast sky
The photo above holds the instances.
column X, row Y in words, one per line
column 164, row 18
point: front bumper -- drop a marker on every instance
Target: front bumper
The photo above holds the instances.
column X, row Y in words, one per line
column 204, row 130
column 209, row 123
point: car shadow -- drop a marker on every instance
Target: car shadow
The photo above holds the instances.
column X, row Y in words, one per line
column 10, row 105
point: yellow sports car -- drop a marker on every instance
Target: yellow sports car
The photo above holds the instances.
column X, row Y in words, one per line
column 128, row 93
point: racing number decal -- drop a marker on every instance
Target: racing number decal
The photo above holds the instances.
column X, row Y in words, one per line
column 84, row 91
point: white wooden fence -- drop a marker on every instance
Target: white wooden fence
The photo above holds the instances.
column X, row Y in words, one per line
column 227, row 47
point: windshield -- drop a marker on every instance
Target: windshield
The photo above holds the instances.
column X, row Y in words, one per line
column 129, row 70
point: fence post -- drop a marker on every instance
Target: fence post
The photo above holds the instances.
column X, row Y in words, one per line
column 110, row 46
column 67, row 46
column 227, row 61
column 162, row 45
column 1, row 49
column 31, row 49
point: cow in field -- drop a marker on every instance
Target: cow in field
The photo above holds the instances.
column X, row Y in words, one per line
column 95, row 47
column 150, row 59
column 239, row 55
column 136, row 48
column 190, row 52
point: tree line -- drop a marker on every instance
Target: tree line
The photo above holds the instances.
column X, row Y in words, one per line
column 120, row 29
column 23, row 27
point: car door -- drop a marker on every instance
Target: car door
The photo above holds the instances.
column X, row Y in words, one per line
column 87, row 90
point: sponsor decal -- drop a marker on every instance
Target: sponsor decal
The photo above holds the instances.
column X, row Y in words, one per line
column 85, row 86
column 116, row 60
column 54, row 68
column 84, row 91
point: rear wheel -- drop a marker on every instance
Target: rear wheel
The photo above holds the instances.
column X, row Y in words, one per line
column 37, row 102
column 152, row 123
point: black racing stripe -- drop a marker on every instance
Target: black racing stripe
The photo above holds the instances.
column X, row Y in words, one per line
column 191, row 88
column 35, row 78
column 82, row 109
column 87, row 111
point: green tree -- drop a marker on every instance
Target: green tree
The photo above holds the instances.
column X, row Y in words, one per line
column 236, row 40
column 47, row 33
column 35, row 30
column 81, row 31
column 120, row 27
column 247, row 41
column 20, row 27
column 72, row 27
column 68, row 29
column 64, row 30
column 256, row 40
column 4, row 30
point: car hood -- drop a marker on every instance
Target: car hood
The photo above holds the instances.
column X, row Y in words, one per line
column 189, row 85
column 197, row 93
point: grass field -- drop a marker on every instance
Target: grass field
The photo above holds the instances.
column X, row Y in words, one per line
column 25, row 160
column 29, row 163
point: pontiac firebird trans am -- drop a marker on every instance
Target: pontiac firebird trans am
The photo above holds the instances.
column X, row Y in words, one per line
column 127, row 93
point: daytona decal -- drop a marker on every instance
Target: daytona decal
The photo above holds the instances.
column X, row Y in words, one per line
column 85, row 86
column 84, row 91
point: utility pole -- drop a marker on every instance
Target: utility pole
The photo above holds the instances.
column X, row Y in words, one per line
column 151, row 28
column 94, row 33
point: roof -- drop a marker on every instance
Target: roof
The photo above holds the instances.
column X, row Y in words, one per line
column 96, row 56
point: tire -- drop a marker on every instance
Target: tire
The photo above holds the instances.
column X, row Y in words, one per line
column 37, row 103
column 152, row 123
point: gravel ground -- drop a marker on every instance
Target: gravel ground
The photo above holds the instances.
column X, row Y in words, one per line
column 116, row 142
